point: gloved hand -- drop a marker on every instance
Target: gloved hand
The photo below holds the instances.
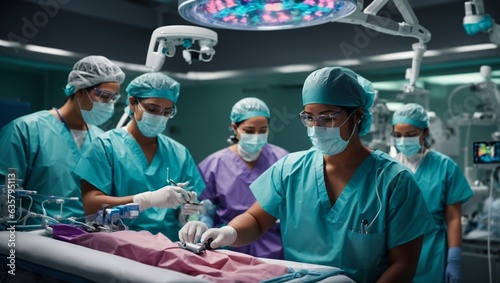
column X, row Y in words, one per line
column 166, row 197
column 221, row 237
column 192, row 231
column 192, row 196
column 452, row 273
column 187, row 210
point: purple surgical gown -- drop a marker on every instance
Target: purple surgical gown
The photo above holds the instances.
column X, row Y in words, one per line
column 228, row 182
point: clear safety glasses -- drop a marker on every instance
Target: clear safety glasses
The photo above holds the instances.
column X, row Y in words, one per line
column 326, row 120
column 106, row 96
column 157, row 110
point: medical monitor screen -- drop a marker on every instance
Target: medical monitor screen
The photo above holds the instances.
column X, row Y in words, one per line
column 486, row 152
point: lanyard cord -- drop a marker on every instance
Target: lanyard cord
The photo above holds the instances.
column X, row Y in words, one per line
column 66, row 124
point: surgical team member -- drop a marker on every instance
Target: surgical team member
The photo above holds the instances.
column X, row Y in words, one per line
column 339, row 203
column 444, row 188
column 134, row 164
column 45, row 146
column 229, row 172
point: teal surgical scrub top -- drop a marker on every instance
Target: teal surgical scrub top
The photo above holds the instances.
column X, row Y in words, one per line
column 442, row 184
column 43, row 150
column 116, row 165
column 382, row 193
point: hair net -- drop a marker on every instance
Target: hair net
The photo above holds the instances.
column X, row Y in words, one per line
column 248, row 108
column 413, row 114
column 340, row 86
column 154, row 84
column 90, row 71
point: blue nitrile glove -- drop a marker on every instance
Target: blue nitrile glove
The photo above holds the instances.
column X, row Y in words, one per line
column 452, row 273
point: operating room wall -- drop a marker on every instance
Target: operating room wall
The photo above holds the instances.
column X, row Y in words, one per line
column 202, row 123
column 203, row 120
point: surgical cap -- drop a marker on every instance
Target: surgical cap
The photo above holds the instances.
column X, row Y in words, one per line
column 248, row 108
column 413, row 114
column 90, row 71
column 154, row 84
column 342, row 87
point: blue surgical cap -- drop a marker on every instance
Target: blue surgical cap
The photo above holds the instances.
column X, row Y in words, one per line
column 413, row 114
column 341, row 87
column 90, row 71
column 154, row 84
column 248, row 108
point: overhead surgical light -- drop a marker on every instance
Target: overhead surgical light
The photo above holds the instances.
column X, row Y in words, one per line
column 164, row 41
column 476, row 21
column 282, row 14
column 264, row 14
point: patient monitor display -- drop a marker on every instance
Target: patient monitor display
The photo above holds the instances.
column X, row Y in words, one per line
column 487, row 152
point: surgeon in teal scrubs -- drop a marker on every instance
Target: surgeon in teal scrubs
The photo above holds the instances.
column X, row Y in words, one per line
column 339, row 203
column 45, row 146
column 137, row 162
column 444, row 188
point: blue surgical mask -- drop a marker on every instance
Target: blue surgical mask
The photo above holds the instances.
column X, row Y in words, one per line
column 328, row 139
column 152, row 125
column 250, row 145
column 408, row 146
column 100, row 112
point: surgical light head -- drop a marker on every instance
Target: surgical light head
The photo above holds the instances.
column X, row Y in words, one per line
column 265, row 14
column 165, row 39
column 476, row 21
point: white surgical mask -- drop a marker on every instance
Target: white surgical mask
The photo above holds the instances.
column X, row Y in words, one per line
column 100, row 112
column 151, row 125
column 250, row 145
column 328, row 139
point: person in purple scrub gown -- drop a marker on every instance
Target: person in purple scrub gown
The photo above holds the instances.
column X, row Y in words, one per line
column 229, row 172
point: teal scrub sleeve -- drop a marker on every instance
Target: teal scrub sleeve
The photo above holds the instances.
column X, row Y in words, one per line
column 457, row 187
column 16, row 150
column 95, row 167
column 268, row 188
column 408, row 216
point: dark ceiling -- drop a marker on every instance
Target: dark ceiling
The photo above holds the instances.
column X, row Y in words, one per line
column 121, row 30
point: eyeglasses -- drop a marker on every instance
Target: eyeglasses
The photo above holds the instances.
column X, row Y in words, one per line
column 157, row 110
column 106, row 96
column 327, row 120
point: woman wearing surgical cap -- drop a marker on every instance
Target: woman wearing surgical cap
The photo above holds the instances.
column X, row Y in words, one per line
column 444, row 188
column 135, row 164
column 45, row 146
column 229, row 172
column 339, row 203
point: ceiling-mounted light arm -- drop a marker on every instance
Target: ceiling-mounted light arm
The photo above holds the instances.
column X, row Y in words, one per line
column 164, row 41
column 409, row 28
column 419, row 49
column 374, row 7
